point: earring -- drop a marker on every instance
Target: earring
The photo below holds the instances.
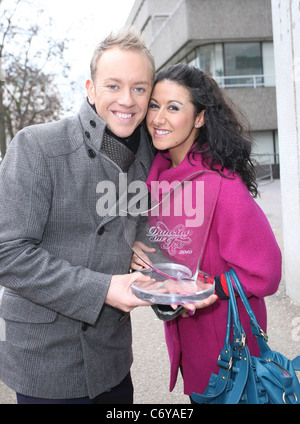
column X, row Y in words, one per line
column 197, row 126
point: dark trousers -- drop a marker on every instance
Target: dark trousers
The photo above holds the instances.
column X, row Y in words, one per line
column 121, row 394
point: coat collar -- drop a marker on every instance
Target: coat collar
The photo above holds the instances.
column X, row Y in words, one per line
column 93, row 128
column 92, row 125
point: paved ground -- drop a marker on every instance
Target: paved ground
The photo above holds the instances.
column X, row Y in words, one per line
column 150, row 370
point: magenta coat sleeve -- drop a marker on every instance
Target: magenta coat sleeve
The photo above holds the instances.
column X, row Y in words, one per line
column 246, row 241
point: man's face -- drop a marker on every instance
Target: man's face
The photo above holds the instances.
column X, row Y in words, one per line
column 121, row 89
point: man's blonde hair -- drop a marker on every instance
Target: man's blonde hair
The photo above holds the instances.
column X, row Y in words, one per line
column 126, row 39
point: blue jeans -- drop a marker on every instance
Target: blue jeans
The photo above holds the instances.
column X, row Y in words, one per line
column 121, row 394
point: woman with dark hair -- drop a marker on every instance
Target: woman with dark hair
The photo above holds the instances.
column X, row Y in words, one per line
column 223, row 139
column 194, row 128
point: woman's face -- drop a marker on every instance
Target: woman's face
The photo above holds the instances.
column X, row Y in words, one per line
column 171, row 119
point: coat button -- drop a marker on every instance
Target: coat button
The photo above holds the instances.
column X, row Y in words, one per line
column 101, row 231
column 93, row 124
column 87, row 134
column 84, row 326
column 91, row 154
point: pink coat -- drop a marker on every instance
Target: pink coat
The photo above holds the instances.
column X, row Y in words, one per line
column 241, row 238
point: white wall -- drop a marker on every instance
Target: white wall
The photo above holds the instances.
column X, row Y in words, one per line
column 286, row 29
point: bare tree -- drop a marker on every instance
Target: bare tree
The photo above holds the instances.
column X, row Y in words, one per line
column 28, row 94
column 2, row 120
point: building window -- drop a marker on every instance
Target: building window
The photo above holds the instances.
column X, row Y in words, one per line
column 248, row 64
column 211, row 59
column 265, row 154
column 192, row 59
column 243, row 62
column 266, row 148
column 268, row 64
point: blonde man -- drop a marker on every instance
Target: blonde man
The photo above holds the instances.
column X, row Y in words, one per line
column 64, row 267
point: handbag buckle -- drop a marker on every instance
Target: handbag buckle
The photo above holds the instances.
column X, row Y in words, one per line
column 229, row 364
column 241, row 342
column 283, row 397
column 263, row 334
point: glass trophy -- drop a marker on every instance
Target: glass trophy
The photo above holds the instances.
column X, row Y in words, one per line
column 167, row 227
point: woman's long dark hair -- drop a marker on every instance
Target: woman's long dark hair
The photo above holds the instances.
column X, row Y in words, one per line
column 223, row 139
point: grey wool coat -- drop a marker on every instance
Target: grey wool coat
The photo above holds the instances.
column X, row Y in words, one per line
column 57, row 256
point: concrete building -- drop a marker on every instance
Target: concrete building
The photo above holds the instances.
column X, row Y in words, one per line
column 230, row 39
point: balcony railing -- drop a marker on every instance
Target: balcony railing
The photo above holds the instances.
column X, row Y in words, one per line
column 252, row 81
column 267, row 167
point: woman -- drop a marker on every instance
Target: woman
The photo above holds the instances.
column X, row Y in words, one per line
column 194, row 129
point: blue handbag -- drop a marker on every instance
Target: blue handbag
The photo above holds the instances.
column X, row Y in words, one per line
column 245, row 379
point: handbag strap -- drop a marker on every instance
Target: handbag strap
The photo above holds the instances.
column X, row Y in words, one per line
column 257, row 331
column 225, row 357
column 226, row 367
column 237, row 350
column 239, row 336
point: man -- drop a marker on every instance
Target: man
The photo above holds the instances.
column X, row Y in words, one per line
column 67, row 301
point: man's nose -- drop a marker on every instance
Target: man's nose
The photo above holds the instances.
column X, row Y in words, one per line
column 126, row 98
